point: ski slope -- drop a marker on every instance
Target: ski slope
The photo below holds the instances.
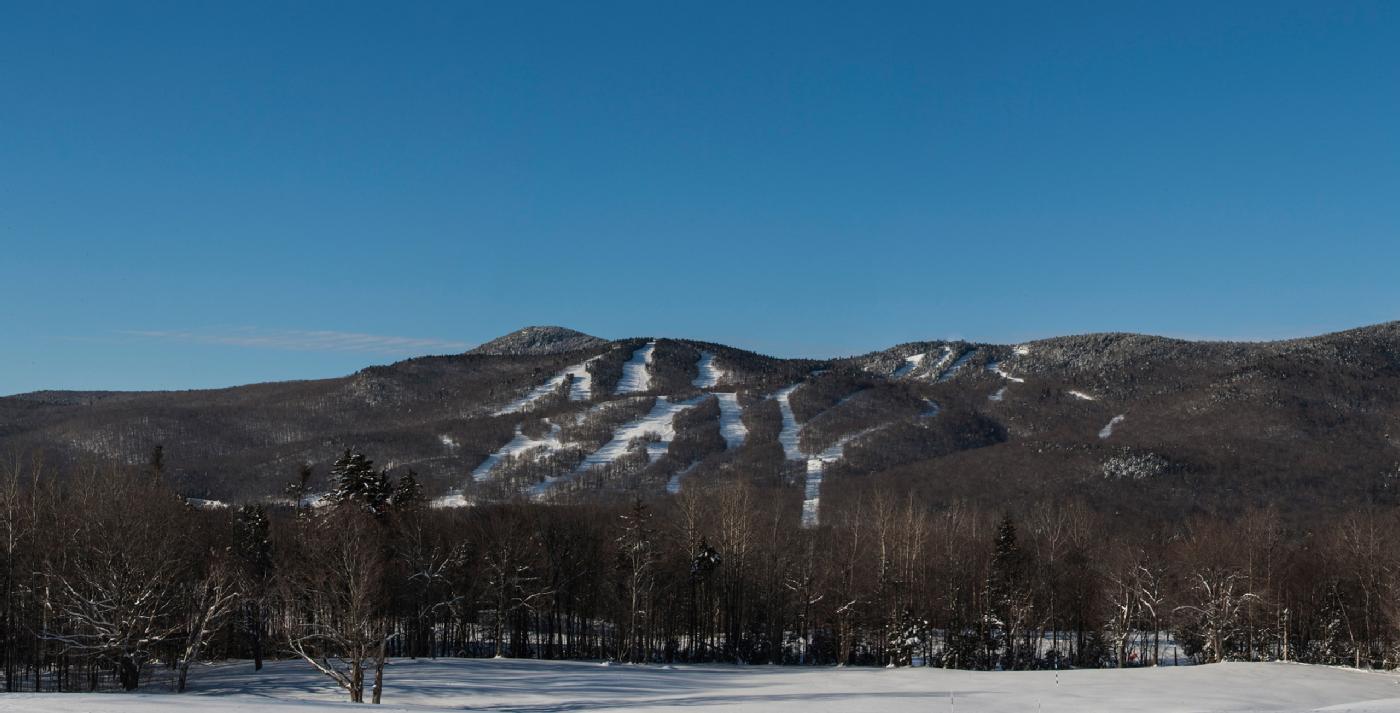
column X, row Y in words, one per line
column 789, row 436
column 517, row 446
column 1081, row 395
column 996, row 368
column 816, row 469
column 533, row 686
column 660, row 421
column 962, row 361
column 731, row 421
column 709, row 373
column 580, row 388
column 1107, row 431
column 910, row 363
column 636, row 373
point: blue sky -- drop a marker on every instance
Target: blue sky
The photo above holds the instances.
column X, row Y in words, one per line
column 197, row 194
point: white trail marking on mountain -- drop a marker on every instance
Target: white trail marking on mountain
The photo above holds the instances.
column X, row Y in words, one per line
column 709, row 373
column 1081, row 395
column 999, row 395
column 995, row 368
column 816, row 469
column 515, row 447
column 580, row 388
column 673, row 485
column 910, row 363
column 957, row 365
column 1107, row 431
column 731, row 421
column 636, row 373
column 789, row 436
column 660, row 421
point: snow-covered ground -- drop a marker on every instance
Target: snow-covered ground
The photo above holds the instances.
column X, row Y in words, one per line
column 789, row 436
column 731, row 421
column 515, row 447
column 996, row 368
column 1107, row 431
column 659, row 422
column 636, row 373
column 910, row 363
column 710, row 374
column 517, row 686
column 816, row 468
column 580, row 388
column 962, row 361
column 1080, row 395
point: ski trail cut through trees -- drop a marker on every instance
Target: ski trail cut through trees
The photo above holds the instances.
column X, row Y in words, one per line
column 580, row 388
column 1081, row 395
column 709, row 374
column 959, row 364
column 660, row 422
column 816, row 469
column 995, row 368
column 636, row 373
column 731, row 421
column 517, row 446
column 788, row 437
column 910, row 363
column 1107, row 431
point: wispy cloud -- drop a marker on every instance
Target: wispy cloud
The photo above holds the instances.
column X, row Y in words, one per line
column 305, row 340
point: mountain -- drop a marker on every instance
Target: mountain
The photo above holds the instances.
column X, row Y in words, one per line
column 537, row 341
column 1145, row 426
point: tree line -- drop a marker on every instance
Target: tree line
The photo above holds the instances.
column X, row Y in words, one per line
column 111, row 580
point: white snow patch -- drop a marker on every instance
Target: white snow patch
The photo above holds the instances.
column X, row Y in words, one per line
column 995, row 368
column 636, row 373
column 1107, row 431
column 710, row 374
column 816, row 468
column 448, row 441
column 516, row 447
column 999, row 395
column 910, row 363
column 202, row 504
column 959, row 364
column 1081, row 395
column 660, row 422
column 1021, row 350
column 789, row 436
column 731, row 421
column 580, row 388
column 931, row 410
column 673, row 485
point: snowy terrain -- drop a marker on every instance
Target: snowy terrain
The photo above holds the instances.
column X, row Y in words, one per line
column 996, row 368
column 709, row 373
column 1107, row 431
column 517, row 446
column 816, row 468
column 910, row 363
column 636, row 373
column 962, row 361
column 514, row 685
column 791, row 432
column 580, row 388
column 1081, row 395
column 731, row 421
column 658, row 423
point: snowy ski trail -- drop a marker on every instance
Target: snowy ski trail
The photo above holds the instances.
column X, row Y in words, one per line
column 995, row 368
column 789, row 436
column 515, row 447
column 660, row 421
column 580, row 388
column 962, row 361
column 731, row 421
column 709, row 373
column 816, row 469
column 1107, row 431
column 636, row 373
column 910, row 363
column 1081, row 395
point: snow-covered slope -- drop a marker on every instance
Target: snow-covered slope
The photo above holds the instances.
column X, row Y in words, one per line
column 709, row 372
column 789, row 436
column 580, row 388
column 731, row 421
column 517, row 446
column 636, row 373
column 517, row 686
column 658, row 423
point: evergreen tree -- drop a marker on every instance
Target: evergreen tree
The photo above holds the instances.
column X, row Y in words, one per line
column 408, row 493
column 357, row 481
column 253, row 549
column 1008, row 601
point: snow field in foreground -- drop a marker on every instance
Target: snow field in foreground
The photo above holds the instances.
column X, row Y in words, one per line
column 636, row 373
column 515, row 686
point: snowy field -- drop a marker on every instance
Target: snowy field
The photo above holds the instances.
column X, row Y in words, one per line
column 547, row 687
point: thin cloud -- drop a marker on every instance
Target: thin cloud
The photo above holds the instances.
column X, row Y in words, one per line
column 305, row 340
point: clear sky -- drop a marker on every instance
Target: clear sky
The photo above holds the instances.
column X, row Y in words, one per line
column 199, row 194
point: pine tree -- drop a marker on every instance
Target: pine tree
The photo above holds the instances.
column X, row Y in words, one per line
column 1007, row 599
column 253, row 548
column 357, row 481
column 408, row 493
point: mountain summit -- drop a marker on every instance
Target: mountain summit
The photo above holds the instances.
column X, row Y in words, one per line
column 538, row 341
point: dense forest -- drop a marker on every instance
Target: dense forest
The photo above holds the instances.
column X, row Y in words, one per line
column 113, row 581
